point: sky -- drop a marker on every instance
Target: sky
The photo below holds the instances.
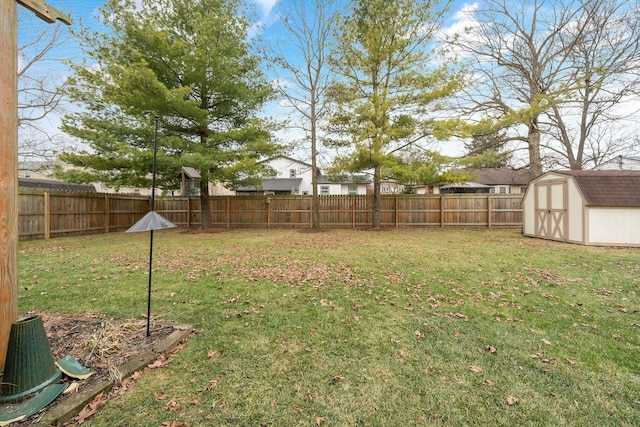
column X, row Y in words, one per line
column 87, row 12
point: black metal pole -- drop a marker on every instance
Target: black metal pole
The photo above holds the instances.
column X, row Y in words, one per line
column 153, row 208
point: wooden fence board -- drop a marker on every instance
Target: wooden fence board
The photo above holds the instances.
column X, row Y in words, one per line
column 44, row 214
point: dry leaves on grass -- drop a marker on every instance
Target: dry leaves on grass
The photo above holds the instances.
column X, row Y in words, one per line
column 476, row 369
column 91, row 409
column 511, row 400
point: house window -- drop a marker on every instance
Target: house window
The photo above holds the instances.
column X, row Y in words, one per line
column 353, row 190
column 492, row 190
column 324, row 190
column 503, row 190
column 292, row 173
column 523, row 189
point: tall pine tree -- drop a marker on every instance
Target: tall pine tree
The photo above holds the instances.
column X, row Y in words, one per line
column 388, row 85
column 189, row 63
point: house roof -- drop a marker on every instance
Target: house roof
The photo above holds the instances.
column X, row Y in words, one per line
column 275, row 184
column 346, row 179
column 49, row 184
column 615, row 188
column 500, row 176
column 465, row 185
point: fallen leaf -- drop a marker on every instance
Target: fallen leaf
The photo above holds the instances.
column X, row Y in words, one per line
column 546, row 341
column 491, row 349
column 418, row 334
column 161, row 396
column 571, row 361
column 476, row 369
column 91, row 408
column 173, row 405
column 511, row 400
column 491, row 383
column 211, row 353
column 319, row 420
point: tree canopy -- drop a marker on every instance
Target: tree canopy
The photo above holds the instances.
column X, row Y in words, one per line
column 388, row 85
column 190, row 64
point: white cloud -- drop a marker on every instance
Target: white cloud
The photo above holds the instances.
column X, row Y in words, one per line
column 266, row 5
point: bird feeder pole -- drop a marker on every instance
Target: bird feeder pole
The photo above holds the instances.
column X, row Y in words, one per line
column 9, row 157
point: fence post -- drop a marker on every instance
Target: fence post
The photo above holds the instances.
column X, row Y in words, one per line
column 441, row 211
column 47, row 215
column 489, row 210
column 268, row 203
column 188, row 212
column 228, row 212
column 107, row 213
column 396, row 210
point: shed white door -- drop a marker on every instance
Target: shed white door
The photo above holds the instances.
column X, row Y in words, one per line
column 551, row 209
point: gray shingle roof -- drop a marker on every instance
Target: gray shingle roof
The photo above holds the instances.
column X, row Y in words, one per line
column 49, row 184
column 500, row 176
column 614, row 188
column 275, row 184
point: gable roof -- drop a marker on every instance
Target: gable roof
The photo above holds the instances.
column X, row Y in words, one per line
column 500, row 176
column 274, row 184
column 614, row 188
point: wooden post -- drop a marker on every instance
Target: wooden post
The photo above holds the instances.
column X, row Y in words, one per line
column 107, row 213
column 396, row 210
column 441, row 211
column 9, row 157
column 47, row 215
column 8, row 172
column 488, row 210
column 228, row 212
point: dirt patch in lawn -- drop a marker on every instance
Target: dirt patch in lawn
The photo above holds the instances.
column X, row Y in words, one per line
column 102, row 345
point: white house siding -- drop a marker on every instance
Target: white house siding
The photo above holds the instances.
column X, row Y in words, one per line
column 614, row 226
column 283, row 167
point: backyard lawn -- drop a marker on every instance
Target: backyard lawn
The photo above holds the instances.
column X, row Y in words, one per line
column 401, row 327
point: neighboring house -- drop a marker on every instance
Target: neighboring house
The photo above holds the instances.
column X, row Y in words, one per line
column 35, row 170
column 491, row 180
column 42, row 171
column 598, row 207
column 293, row 176
column 620, row 163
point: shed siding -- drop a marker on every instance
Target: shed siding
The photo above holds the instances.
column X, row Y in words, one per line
column 614, row 226
column 575, row 211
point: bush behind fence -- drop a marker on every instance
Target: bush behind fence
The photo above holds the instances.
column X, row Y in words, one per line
column 44, row 215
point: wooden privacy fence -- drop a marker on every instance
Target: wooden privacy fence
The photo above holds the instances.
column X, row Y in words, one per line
column 47, row 215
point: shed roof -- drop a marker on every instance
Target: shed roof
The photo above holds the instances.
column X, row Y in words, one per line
column 615, row 188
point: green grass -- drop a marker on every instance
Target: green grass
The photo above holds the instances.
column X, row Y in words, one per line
column 363, row 328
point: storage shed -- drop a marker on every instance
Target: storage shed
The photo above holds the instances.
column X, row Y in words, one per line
column 598, row 207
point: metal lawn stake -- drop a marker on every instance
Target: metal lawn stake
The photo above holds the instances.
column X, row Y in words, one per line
column 9, row 157
column 151, row 221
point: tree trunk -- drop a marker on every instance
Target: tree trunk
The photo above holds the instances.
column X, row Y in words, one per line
column 376, row 198
column 315, row 208
column 535, row 160
column 205, row 205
